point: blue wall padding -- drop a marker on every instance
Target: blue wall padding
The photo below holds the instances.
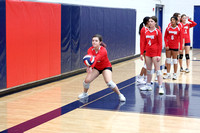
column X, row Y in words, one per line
column 196, row 31
column 2, row 44
column 65, row 38
column 75, row 38
column 80, row 23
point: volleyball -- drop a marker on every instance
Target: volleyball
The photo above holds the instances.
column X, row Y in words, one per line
column 88, row 60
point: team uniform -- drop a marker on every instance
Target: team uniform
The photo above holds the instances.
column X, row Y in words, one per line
column 173, row 38
column 186, row 31
column 101, row 59
column 152, row 43
column 142, row 37
column 101, row 63
column 140, row 79
column 186, row 36
column 173, row 35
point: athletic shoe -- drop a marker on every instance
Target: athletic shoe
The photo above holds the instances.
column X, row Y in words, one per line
column 146, row 88
column 168, row 76
column 122, row 98
column 140, row 80
column 174, row 77
column 161, row 91
column 181, row 70
column 165, row 72
column 84, row 100
column 83, row 95
column 187, row 70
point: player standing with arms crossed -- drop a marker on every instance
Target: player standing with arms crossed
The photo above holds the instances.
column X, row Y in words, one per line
column 186, row 38
column 153, row 44
column 101, row 65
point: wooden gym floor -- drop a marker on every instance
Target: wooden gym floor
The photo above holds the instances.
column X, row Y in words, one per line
column 54, row 107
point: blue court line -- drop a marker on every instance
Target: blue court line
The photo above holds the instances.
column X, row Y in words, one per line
column 27, row 125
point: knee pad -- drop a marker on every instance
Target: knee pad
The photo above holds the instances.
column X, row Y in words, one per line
column 159, row 72
column 175, row 61
column 145, row 66
column 187, row 56
column 111, row 84
column 168, row 60
column 181, row 56
column 86, row 85
column 149, row 72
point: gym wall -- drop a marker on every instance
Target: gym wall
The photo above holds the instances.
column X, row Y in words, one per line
column 41, row 40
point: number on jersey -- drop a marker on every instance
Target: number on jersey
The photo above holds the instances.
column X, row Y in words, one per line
column 149, row 42
column 172, row 37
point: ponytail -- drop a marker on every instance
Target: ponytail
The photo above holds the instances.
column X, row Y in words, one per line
column 141, row 25
column 103, row 44
column 144, row 23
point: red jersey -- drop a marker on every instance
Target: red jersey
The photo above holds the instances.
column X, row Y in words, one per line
column 153, row 43
column 142, row 38
column 186, row 30
column 101, row 58
column 173, row 35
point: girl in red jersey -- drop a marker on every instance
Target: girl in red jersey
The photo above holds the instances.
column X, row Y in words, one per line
column 186, row 37
column 180, row 25
column 101, row 65
column 173, row 37
column 144, row 26
column 153, row 44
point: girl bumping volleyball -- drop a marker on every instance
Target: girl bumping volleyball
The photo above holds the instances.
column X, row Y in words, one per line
column 101, row 65
column 153, row 44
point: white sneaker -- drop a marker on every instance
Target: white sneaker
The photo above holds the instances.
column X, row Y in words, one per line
column 122, row 98
column 187, row 70
column 146, row 88
column 140, row 80
column 161, row 91
column 83, row 95
column 174, row 77
column 84, row 100
column 168, row 76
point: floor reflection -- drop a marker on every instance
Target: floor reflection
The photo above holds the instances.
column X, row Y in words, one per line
column 178, row 100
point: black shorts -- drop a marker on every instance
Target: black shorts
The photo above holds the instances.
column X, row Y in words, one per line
column 187, row 44
column 173, row 49
column 100, row 71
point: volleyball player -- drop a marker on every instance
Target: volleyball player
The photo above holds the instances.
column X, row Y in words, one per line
column 180, row 25
column 173, row 35
column 153, row 44
column 144, row 26
column 186, row 37
column 101, row 65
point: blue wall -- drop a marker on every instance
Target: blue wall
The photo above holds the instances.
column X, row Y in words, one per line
column 2, row 44
column 80, row 23
column 196, row 31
